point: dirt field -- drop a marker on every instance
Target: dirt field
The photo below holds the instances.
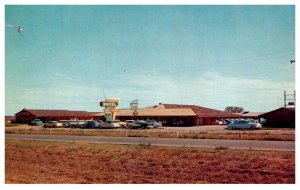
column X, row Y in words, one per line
column 53, row 162
column 198, row 132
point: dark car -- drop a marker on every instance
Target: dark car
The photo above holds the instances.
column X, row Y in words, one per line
column 108, row 124
column 228, row 121
column 138, row 124
column 36, row 122
column 73, row 123
column 91, row 124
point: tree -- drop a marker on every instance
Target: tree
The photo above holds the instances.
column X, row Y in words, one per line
column 234, row 109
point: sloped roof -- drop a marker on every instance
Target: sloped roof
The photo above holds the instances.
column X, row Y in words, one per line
column 55, row 113
column 251, row 114
column 158, row 112
column 202, row 111
column 177, row 110
column 282, row 108
column 98, row 114
column 150, row 111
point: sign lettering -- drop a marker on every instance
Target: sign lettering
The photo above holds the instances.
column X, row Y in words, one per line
column 108, row 104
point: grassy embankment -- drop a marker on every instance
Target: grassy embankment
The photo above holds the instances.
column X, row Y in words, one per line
column 241, row 135
column 57, row 162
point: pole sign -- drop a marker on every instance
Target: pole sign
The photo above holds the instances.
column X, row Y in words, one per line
column 110, row 107
column 108, row 104
column 134, row 104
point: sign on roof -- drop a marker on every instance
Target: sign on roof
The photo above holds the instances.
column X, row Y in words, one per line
column 134, row 104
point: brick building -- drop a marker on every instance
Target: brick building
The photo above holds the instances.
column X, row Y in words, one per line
column 27, row 115
column 168, row 114
column 175, row 114
column 281, row 117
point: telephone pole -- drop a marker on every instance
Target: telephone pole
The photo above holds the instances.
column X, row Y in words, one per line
column 290, row 99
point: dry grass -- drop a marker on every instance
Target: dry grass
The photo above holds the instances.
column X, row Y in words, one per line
column 241, row 136
column 54, row 162
column 234, row 135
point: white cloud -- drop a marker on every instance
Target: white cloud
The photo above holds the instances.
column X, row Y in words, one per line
column 208, row 89
column 213, row 90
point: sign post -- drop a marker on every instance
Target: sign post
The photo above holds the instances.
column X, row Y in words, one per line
column 134, row 106
column 110, row 108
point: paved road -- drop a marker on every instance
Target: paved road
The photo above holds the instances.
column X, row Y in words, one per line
column 209, row 143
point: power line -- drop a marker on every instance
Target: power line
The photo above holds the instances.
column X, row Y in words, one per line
column 129, row 72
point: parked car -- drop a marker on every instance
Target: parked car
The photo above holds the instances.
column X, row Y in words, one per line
column 122, row 124
column 217, row 122
column 81, row 123
column 74, row 123
column 128, row 122
column 138, row 124
column 54, row 124
column 228, row 121
column 153, row 124
column 108, row 124
column 65, row 123
column 262, row 121
column 244, row 124
column 91, row 124
column 36, row 122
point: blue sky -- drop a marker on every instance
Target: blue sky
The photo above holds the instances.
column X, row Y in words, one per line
column 70, row 57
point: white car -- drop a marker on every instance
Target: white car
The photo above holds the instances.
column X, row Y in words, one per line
column 81, row 123
column 244, row 124
column 153, row 124
column 53, row 124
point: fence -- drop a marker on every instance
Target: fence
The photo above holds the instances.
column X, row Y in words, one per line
column 235, row 135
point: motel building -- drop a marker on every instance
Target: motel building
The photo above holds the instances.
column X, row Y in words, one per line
column 27, row 115
column 167, row 114
column 177, row 115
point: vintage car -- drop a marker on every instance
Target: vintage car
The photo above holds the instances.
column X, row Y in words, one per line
column 244, row 124
column 138, row 124
column 36, row 122
column 91, row 125
column 53, row 124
